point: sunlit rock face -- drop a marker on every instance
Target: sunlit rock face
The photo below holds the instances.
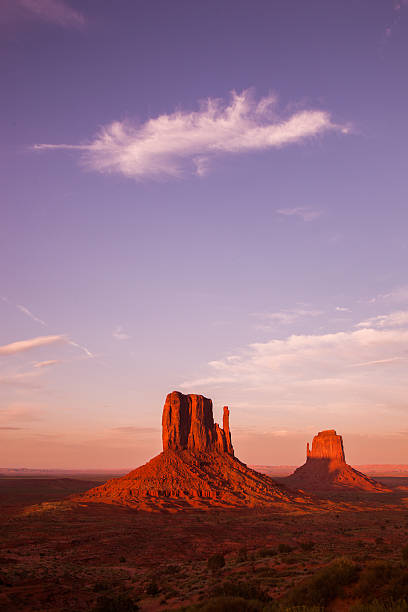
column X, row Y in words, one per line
column 188, row 424
column 327, row 445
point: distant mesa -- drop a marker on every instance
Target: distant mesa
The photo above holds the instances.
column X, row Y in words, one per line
column 326, row 467
column 197, row 467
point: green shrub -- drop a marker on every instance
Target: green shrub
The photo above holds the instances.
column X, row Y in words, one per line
column 216, row 562
column 325, row 585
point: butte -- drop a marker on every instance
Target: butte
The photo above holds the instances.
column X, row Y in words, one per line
column 326, row 468
column 197, row 467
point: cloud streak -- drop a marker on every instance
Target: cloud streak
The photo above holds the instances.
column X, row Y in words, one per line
column 304, row 212
column 29, row 314
column 57, row 12
column 171, row 144
column 27, row 345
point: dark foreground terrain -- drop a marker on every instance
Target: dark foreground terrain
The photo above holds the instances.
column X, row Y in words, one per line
column 346, row 553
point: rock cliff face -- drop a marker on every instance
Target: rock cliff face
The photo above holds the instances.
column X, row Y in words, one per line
column 327, row 445
column 188, row 424
column 197, row 467
column 326, row 467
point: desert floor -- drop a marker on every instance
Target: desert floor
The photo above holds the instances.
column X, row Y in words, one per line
column 59, row 555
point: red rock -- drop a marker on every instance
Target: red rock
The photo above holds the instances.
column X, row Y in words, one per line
column 196, row 468
column 326, row 467
column 188, row 423
column 327, row 445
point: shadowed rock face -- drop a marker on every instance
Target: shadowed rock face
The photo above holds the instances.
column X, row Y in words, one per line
column 188, row 424
column 326, row 467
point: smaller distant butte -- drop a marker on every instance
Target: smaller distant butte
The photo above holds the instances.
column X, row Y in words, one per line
column 326, row 468
column 197, row 468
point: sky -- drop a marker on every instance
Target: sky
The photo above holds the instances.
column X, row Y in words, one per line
column 208, row 197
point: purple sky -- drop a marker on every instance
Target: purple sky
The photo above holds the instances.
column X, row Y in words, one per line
column 209, row 197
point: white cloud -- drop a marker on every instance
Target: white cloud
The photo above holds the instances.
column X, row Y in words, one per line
column 305, row 213
column 52, row 11
column 27, row 345
column 119, row 334
column 313, row 371
column 342, row 309
column 394, row 319
column 168, row 145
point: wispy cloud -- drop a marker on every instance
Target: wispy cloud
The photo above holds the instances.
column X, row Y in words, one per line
column 46, row 364
column 82, row 348
column 31, row 315
column 394, row 319
column 23, row 413
column 286, row 317
column 399, row 295
column 305, row 213
column 119, row 334
column 57, row 12
column 342, row 309
column 27, row 345
column 170, row 144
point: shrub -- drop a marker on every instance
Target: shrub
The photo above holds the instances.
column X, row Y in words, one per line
column 374, row 576
column 378, row 606
column 267, row 552
column 216, row 562
column 243, row 590
column 116, row 603
column 152, row 588
column 242, row 555
column 285, row 548
column 228, row 604
column 325, row 585
column 308, row 545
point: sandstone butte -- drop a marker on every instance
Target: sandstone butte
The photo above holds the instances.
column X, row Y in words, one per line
column 326, row 468
column 197, row 467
